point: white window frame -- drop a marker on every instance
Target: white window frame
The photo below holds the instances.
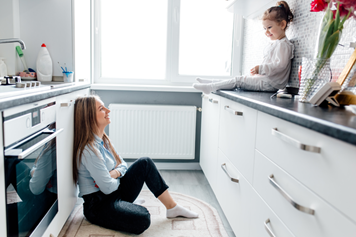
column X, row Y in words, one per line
column 172, row 76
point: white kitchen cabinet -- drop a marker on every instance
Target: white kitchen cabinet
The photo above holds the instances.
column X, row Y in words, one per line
column 264, row 221
column 264, row 153
column 305, row 214
column 233, row 194
column 237, row 131
column 330, row 173
column 209, row 137
column 67, row 191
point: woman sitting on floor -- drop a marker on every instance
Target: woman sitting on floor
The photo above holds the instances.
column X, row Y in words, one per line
column 107, row 186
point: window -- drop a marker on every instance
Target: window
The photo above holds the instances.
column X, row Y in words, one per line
column 162, row 41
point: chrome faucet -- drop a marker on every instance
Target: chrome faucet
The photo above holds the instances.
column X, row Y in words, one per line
column 13, row 40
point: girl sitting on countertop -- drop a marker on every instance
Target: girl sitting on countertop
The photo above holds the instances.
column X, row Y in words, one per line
column 273, row 73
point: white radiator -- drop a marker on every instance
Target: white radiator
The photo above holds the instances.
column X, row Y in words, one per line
column 156, row 131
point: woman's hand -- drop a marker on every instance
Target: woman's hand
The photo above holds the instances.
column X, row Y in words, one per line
column 254, row 70
column 115, row 174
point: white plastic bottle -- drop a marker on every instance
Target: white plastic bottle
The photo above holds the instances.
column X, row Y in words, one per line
column 44, row 65
column 3, row 68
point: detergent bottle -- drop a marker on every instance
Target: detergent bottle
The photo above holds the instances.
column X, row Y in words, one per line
column 44, row 65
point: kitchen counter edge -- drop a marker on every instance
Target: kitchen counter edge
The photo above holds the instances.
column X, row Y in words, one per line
column 13, row 101
column 331, row 121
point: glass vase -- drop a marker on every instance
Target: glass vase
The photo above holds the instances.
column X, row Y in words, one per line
column 315, row 74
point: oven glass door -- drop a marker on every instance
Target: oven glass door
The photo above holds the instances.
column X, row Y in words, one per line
column 31, row 181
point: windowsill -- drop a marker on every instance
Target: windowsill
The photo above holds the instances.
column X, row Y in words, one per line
column 133, row 87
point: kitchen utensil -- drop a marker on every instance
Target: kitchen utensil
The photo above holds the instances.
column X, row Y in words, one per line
column 20, row 53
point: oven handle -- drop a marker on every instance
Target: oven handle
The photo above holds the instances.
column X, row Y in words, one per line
column 22, row 155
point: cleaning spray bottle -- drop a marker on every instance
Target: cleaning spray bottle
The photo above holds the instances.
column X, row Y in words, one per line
column 44, row 65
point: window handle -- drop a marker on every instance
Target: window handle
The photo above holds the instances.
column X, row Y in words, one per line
column 269, row 231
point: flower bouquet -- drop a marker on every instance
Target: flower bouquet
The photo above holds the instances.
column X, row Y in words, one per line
column 332, row 24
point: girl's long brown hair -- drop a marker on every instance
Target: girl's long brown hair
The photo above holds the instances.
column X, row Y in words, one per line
column 85, row 126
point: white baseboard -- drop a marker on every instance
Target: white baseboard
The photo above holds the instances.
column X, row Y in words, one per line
column 175, row 166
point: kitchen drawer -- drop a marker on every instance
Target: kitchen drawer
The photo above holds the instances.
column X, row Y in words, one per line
column 237, row 135
column 325, row 222
column 233, row 196
column 330, row 173
column 265, row 221
column 209, row 137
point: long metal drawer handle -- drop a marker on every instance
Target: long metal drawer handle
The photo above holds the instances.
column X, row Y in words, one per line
column 234, row 112
column 295, row 142
column 289, row 198
column 269, row 231
column 39, row 144
column 213, row 101
column 232, row 179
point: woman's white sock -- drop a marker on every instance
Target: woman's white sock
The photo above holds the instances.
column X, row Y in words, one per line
column 178, row 210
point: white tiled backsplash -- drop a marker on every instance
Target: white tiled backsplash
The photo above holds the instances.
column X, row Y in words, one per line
column 303, row 33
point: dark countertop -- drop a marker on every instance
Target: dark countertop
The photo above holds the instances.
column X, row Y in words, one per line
column 13, row 101
column 335, row 122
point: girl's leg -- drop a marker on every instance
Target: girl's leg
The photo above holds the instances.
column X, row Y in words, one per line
column 255, row 83
column 214, row 86
column 202, row 80
column 252, row 83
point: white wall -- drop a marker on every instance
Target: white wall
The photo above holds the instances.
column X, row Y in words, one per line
column 49, row 22
column 9, row 28
column 37, row 22
column 303, row 33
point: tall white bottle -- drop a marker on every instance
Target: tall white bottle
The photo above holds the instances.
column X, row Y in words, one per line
column 44, row 65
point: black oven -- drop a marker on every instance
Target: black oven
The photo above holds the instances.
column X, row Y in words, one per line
column 30, row 169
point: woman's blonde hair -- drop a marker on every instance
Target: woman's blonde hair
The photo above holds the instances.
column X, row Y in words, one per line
column 280, row 12
column 85, row 126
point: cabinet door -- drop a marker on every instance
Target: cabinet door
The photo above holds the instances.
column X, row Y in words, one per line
column 264, row 223
column 302, row 211
column 209, row 138
column 67, row 191
column 330, row 173
column 237, row 135
column 233, row 196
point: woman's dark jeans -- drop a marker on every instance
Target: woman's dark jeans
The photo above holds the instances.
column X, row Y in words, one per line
column 116, row 210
